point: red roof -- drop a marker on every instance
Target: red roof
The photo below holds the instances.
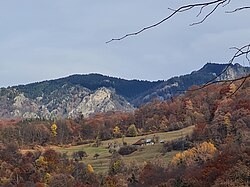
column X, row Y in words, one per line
column 139, row 142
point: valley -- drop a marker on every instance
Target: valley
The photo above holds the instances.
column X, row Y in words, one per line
column 147, row 153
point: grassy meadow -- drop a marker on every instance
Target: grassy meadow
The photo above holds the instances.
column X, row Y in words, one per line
column 145, row 153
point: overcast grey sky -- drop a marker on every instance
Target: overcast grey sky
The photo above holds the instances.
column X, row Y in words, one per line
column 48, row 39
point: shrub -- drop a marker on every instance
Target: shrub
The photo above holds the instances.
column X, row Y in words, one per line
column 80, row 155
column 177, row 145
column 126, row 150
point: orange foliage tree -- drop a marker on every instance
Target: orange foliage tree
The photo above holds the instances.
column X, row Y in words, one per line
column 196, row 155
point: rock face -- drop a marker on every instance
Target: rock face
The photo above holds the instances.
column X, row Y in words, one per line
column 84, row 95
column 102, row 100
column 71, row 102
column 178, row 85
column 233, row 72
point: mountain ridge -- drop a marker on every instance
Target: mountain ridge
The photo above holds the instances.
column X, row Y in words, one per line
column 179, row 84
column 92, row 82
column 88, row 94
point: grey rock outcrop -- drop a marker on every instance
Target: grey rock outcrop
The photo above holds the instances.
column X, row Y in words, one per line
column 69, row 101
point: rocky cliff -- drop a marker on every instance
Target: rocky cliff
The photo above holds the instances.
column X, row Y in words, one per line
column 84, row 95
column 178, row 85
column 68, row 101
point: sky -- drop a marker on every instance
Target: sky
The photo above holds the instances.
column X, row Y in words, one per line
column 44, row 39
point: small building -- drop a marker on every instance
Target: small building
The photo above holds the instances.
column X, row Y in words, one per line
column 149, row 142
column 162, row 141
column 140, row 142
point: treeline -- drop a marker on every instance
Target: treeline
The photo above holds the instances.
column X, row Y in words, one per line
column 43, row 169
column 127, row 88
column 210, row 106
column 216, row 154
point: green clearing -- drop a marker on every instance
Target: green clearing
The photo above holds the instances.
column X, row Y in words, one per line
column 145, row 153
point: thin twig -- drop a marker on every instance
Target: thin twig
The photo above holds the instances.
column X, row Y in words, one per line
column 228, row 2
column 178, row 10
column 220, row 81
column 240, row 52
column 188, row 8
column 241, row 84
column 209, row 14
column 238, row 9
column 245, row 50
column 201, row 9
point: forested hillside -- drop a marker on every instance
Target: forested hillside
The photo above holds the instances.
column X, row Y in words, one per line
column 126, row 88
column 216, row 154
column 86, row 95
column 179, row 84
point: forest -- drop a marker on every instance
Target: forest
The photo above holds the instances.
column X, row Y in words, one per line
column 217, row 153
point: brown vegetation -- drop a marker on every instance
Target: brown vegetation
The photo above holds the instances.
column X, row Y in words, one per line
column 216, row 154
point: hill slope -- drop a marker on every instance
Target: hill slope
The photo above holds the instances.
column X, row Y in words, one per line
column 66, row 101
column 180, row 84
column 128, row 89
column 88, row 94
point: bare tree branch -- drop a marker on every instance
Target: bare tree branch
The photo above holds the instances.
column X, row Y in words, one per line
column 245, row 50
column 184, row 8
column 244, row 78
column 238, row 53
column 212, row 11
column 238, row 9
column 201, row 9
column 228, row 2
column 248, row 49
column 241, row 84
column 188, row 8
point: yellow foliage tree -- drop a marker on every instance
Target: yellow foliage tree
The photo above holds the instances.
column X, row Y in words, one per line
column 227, row 119
column 90, row 169
column 41, row 161
column 198, row 154
column 227, row 122
column 116, row 131
column 189, row 104
column 53, row 129
column 47, row 177
column 232, row 89
column 132, row 130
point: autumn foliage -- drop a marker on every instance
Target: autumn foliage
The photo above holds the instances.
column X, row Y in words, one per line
column 196, row 155
column 216, row 154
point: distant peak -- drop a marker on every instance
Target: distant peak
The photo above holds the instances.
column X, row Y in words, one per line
column 212, row 68
column 238, row 65
column 208, row 64
column 214, row 64
column 217, row 68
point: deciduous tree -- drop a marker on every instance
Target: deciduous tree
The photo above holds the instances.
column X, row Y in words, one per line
column 132, row 130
